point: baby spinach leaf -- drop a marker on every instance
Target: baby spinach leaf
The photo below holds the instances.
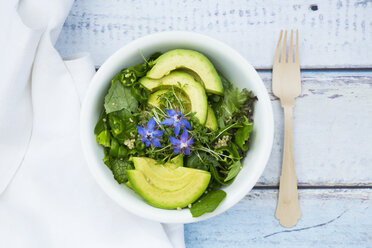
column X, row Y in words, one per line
column 233, row 170
column 120, row 97
column 242, row 136
column 207, row 203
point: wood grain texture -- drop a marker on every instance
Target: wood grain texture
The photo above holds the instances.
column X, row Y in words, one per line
column 336, row 35
column 332, row 123
column 331, row 218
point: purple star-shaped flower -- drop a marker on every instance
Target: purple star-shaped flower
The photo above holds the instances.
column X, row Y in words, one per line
column 182, row 145
column 149, row 134
column 176, row 120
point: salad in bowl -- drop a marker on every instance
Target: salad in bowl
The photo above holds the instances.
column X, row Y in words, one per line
column 175, row 130
column 176, row 127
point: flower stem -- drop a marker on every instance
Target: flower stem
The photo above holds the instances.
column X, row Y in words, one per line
column 162, row 149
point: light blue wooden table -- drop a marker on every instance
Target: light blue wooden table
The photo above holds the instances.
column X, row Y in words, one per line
column 332, row 118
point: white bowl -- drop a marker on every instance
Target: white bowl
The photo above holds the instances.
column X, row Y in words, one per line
column 226, row 60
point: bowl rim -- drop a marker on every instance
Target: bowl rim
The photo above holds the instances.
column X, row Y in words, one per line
column 193, row 38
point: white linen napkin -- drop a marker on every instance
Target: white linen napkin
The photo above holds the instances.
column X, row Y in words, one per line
column 48, row 198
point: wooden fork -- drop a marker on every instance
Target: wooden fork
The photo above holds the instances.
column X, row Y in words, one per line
column 287, row 86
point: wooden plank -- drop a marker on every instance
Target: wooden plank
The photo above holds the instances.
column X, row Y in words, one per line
column 336, row 35
column 332, row 130
column 330, row 218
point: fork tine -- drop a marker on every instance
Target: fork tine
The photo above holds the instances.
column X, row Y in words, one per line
column 284, row 51
column 277, row 52
column 290, row 52
column 297, row 58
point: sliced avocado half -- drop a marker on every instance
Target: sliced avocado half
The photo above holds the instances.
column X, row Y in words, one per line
column 192, row 189
column 190, row 60
column 187, row 84
column 178, row 188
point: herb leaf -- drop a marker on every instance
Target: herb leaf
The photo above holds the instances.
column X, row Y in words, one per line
column 234, row 99
column 120, row 97
column 207, row 203
column 242, row 136
column 233, row 170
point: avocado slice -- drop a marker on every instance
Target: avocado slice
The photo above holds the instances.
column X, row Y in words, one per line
column 184, row 191
column 172, row 181
column 154, row 98
column 128, row 184
column 150, row 166
column 211, row 119
column 167, row 186
column 190, row 60
column 186, row 83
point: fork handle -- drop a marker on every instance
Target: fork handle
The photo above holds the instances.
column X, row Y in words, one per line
column 288, row 209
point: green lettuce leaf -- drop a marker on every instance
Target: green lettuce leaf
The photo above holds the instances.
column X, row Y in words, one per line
column 242, row 136
column 104, row 138
column 233, row 101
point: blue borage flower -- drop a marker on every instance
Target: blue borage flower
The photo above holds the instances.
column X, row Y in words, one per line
column 176, row 120
column 150, row 135
column 183, row 144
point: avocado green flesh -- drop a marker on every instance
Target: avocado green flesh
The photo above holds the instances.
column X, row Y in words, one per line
column 162, row 198
column 186, row 83
column 159, row 179
column 167, row 183
column 167, row 186
column 147, row 164
column 129, row 185
column 211, row 121
column 190, row 60
column 154, row 98
column 169, row 171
